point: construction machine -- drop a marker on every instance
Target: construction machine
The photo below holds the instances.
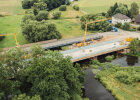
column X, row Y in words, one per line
column 86, row 24
column 14, row 37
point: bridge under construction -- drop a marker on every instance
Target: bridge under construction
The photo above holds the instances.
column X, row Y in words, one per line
column 95, row 50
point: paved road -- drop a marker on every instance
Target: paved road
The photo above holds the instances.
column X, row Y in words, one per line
column 94, row 90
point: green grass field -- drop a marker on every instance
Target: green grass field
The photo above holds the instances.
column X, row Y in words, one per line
column 11, row 24
column 69, row 13
column 98, row 6
column 10, row 7
column 120, row 90
column 69, row 28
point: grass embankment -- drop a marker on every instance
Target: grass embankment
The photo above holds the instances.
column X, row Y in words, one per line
column 98, row 6
column 120, row 90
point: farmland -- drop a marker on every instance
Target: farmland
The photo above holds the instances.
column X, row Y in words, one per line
column 98, row 6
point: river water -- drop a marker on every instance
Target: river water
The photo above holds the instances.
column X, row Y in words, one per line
column 94, row 90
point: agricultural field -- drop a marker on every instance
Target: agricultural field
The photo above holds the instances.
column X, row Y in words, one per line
column 118, row 89
column 98, row 6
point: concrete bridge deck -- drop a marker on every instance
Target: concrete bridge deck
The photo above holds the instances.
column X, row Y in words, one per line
column 94, row 50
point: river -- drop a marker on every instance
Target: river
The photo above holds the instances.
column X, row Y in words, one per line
column 94, row 90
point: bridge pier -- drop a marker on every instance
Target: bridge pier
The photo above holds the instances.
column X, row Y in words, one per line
column 94, row 58
column 123, row 51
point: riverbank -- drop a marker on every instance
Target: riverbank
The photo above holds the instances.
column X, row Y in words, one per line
column 94, row 89
column 123, row 82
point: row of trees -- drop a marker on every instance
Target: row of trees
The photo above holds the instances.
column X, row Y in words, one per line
column 38, row 75
column 45, row 4
column 123, row 9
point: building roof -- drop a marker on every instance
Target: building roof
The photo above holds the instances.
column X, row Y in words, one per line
column 121, row 16
column 137, row 18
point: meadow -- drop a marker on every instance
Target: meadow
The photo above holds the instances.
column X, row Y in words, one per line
column 98, row 6
column 68, row 25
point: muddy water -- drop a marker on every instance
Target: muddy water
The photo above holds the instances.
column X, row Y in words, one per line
column 94, row 90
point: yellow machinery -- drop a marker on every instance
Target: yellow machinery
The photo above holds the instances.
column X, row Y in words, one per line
column 132, row 27
column 86, row 24
column 129, row 39
column 13, row 35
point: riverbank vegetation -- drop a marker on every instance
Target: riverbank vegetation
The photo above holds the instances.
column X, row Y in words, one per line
column 46, row 75
column 122, row 82
column 134, row 47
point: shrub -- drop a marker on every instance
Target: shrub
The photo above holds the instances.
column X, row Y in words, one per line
column 26, row 4
column 138, row 28
column 77, row 16
column 63, row 8
column 118, row 25
column 35, row 11
column 123, row 77
column 28, row 17
column 29, row 11
column 42, row 15
column 35, row 31
column 109, row 58
column 1, row 38
column 76, row 7
column 56, row 15
column 126, row 26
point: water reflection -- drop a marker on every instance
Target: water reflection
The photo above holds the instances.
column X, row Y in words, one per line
column 132, row 60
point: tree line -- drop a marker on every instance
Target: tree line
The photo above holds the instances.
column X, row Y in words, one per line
column 123, row 9
column 50, row 4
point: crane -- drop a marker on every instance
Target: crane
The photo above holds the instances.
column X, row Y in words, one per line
column 86, row 24
column 14, row 37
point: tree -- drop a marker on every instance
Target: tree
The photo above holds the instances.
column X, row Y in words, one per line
column 126, row 26
column 56, row 15
column 51, row 4
column 11, row 62
column 112, row 9
column 134, row 46
column 63, row 8
column 118, row 25
column 134, row 9
column 35, row 31
column 35, row 11
column 24, row 97
column 76, row 7
column 42, row 15
column 43, row 75
column 26, row 4
column 40, row 5
column 28, row 17
column 123, row 9
column 1, row 38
